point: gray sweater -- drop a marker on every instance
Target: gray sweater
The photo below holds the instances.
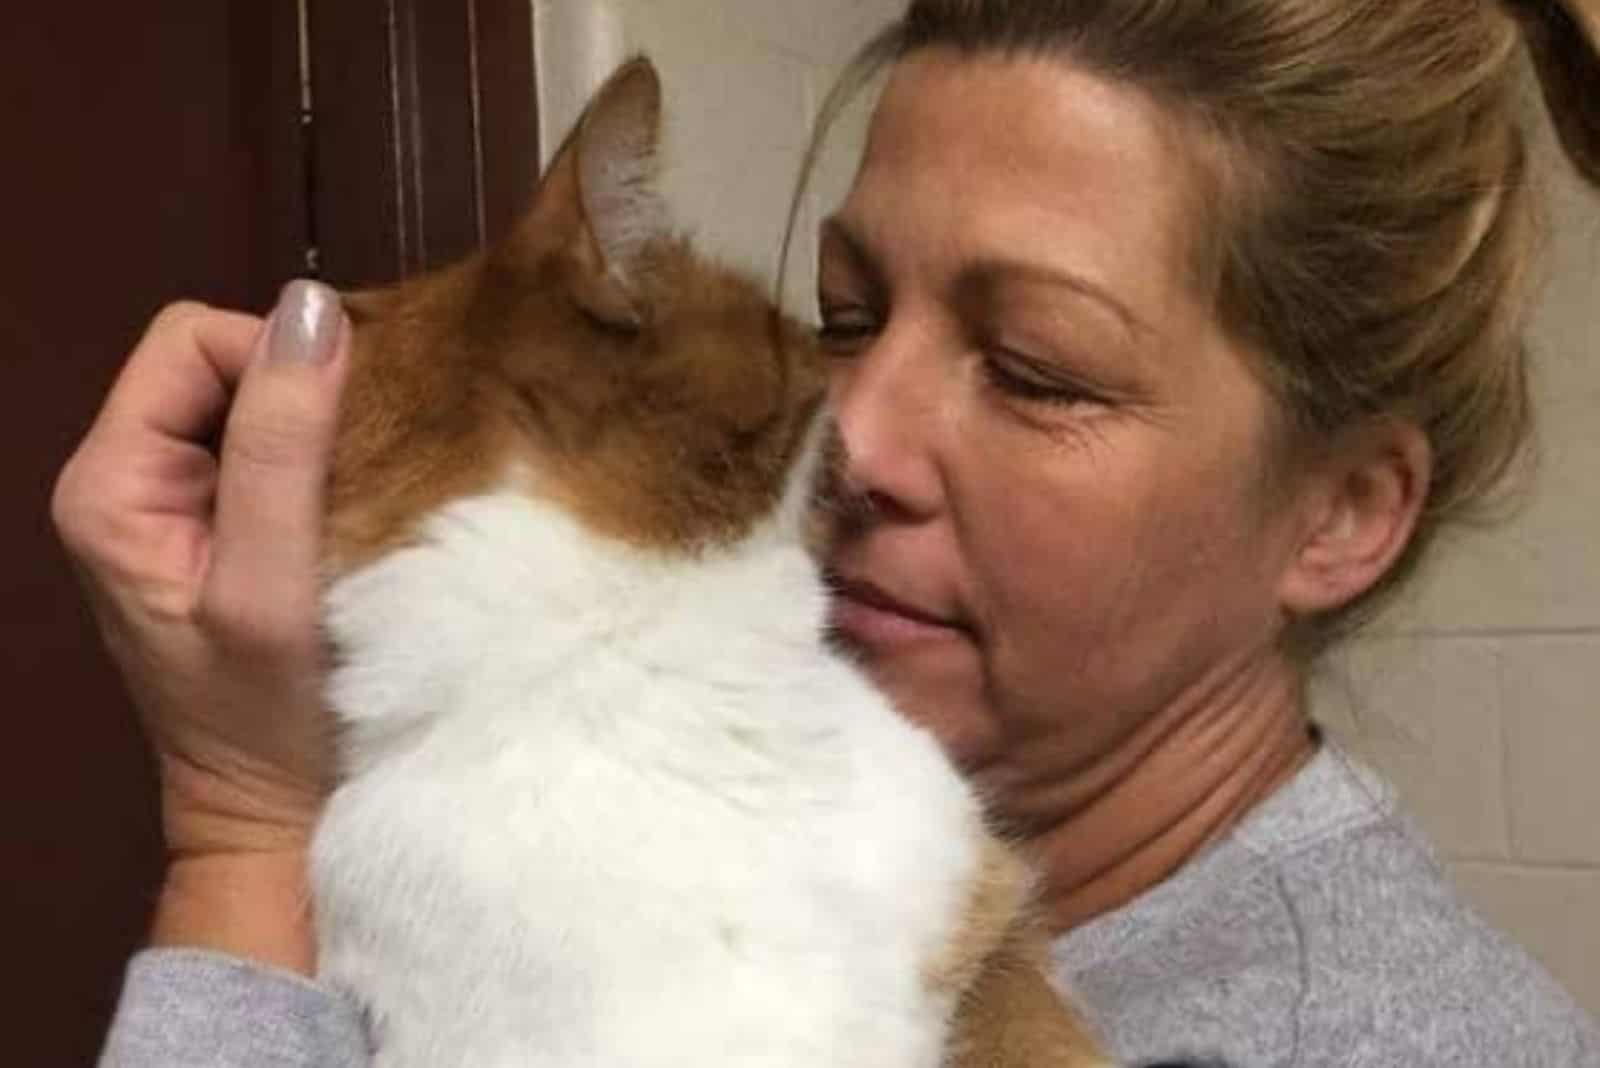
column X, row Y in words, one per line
column 1320, row 932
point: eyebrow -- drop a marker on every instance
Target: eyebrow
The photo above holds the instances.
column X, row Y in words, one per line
column 987, row 269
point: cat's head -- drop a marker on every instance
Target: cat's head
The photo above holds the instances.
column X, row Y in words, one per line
column 591, row 358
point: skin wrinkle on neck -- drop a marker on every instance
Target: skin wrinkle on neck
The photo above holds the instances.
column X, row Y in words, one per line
column 1190, row 777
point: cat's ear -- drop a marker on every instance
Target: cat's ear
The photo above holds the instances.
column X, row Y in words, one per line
column 599, row 202
column 617, row 147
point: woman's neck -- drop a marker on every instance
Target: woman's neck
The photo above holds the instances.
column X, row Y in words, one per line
column 1184, row 780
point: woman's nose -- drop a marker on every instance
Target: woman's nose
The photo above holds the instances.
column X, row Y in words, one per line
column 885, row 407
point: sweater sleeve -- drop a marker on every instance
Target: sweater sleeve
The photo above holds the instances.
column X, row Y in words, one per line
column 186, row 1008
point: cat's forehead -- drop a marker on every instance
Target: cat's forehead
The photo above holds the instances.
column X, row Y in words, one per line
column 680, row 435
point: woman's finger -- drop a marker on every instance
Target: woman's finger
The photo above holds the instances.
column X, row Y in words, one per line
column 178, row 381
column 133, row 500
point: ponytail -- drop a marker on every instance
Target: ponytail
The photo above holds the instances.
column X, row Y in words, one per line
column 1564, row 39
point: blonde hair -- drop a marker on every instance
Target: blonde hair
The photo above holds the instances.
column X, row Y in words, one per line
column 1376, row 232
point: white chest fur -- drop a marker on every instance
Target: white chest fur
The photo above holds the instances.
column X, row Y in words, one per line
column 606, row 809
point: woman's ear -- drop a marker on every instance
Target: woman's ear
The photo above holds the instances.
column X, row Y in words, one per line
column 1361, row 507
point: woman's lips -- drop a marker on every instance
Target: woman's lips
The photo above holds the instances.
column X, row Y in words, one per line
column 867, row 617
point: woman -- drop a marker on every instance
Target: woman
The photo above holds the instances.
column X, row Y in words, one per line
column 1169, row 334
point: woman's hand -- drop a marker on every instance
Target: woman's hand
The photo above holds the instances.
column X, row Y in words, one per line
column 202, row 570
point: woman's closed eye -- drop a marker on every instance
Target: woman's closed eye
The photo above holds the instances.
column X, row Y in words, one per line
column 846, row 329
column 1026, row 378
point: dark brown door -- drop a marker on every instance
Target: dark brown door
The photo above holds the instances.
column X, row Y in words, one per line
column 156, row 151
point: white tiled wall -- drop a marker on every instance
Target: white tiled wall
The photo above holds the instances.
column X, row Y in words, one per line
column 1481, row 697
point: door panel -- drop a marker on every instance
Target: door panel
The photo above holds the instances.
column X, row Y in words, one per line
column 150, row 155
column 426, row 133
column 156, row 151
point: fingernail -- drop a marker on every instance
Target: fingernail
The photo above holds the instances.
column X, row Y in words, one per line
column 305, row 324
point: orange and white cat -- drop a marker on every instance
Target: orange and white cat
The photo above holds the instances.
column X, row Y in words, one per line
column 607, row 798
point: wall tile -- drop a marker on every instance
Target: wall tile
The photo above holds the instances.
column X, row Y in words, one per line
column 743, row 82
column 836, row 165
column 734, row 135
column 1553, row 913
column 1552, row 714
column 1426, row 713
column 821, row 31
column 580, row 43
column 1538, row 572
column 825, row 32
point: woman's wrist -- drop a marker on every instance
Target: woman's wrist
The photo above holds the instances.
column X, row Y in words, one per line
column 252, row 905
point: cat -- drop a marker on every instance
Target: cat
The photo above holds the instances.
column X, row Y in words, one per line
column 607, row 799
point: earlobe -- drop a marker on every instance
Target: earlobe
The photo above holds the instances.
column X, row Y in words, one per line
column 1361, row 511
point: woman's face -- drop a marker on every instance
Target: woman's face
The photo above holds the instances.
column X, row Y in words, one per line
column 1069, row 541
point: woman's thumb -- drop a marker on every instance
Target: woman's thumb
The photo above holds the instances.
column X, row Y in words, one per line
column 277, row 449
